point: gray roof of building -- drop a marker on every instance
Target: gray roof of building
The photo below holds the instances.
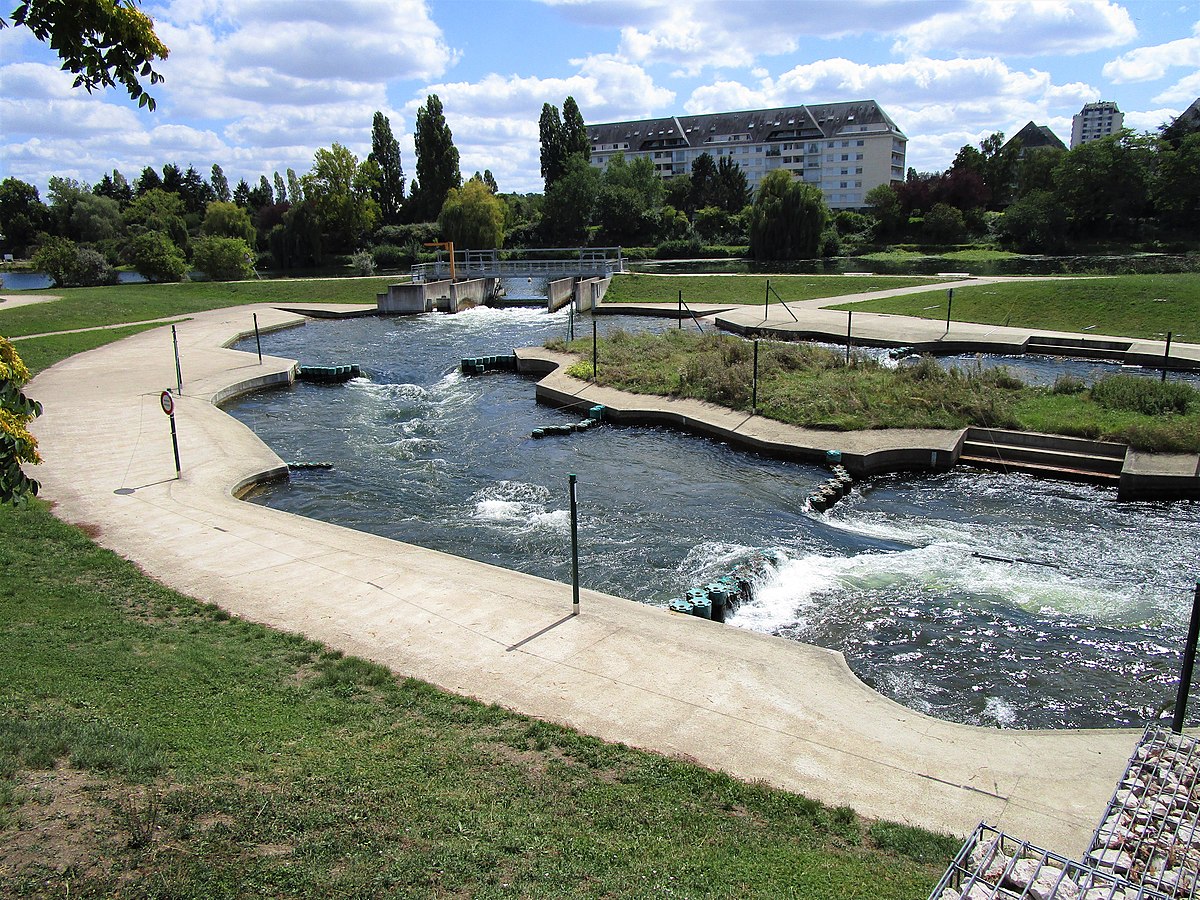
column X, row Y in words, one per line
column 1034, row 136
column 764, row 125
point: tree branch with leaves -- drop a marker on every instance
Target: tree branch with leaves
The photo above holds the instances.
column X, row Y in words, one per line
column 101, row 42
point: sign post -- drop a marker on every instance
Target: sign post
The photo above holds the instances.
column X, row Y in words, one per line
column 571, row 480
column 168, row 406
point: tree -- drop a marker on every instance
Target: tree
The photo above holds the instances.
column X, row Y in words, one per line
column 115, row 187
column 70, row 265
column 149, row 180
column 1036, row 223
column 473, row 217
column 553, row 153
column 241, row 194
column 575, row 140
column 295, row 190
column 345, row 211
column 732, row 189
column 388, row 189
column 220, row 185
column 570, row 202
column 704, row 183
column 884, row 203
column 95, row 218
column 17, row 445
column 228, row 220
column 280, row 189
column 627, row 203
column 1103, row 185
column 156, row 258
column 101, row 42
column 1176, row 184
column 22, row 214
column 64, row 193
column 195, row 191
column 944, row 224
column 437, row 160
column 787, row 218
column 223, row 258
column 159, row 211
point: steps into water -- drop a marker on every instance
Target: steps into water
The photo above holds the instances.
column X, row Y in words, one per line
column 1071, row 459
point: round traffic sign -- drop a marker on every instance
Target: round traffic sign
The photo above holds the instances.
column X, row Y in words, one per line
column 168, row 402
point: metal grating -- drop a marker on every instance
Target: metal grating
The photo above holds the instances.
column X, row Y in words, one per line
column 993, row 866
column 1150, row 833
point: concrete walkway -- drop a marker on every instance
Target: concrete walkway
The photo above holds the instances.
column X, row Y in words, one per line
column 755, row 706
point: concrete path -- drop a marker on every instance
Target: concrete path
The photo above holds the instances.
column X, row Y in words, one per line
column 755, row 706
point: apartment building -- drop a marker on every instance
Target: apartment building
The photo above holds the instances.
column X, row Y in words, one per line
column 845, row 149
column 1095, row 121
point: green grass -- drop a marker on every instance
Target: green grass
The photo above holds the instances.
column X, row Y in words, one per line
column 1136, row 306
column 221, row 758
column 750, row 289
column 813, row 388
column 125, row 303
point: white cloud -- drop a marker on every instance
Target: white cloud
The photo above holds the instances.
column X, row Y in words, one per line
column 1021, row 28
column 1152, row 63
column 1182, row 92
column 721, row 34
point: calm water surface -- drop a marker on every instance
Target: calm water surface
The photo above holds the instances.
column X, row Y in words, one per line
column 1086, row 632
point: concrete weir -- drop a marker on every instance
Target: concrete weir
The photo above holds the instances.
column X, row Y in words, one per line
column 789, row 714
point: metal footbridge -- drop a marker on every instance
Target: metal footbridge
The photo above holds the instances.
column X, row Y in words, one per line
column 546, row 262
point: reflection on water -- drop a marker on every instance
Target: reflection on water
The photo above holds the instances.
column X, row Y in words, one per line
column 1087, row 633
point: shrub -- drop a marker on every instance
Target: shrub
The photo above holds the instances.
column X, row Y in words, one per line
column 156, row 258
column 1144, row 395
column 683, row 248
column 1068, row 384
column 363, row 263
column 70, row 265
column 393, row 256
column 223, row 258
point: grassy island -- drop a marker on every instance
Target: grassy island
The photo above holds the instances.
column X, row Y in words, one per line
column 813, row 387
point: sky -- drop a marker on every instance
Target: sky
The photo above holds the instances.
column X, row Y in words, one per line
column 258, row 86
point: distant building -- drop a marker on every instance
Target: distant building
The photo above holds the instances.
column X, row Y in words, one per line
column 1095, row 121
column 1034, row 137
column 845, row 149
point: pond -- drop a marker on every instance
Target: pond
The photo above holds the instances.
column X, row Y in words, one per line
column 1085, row 632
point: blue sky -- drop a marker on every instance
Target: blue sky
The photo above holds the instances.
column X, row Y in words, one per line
column 259, row 85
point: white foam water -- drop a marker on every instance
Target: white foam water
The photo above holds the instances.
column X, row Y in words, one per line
column 518, row 506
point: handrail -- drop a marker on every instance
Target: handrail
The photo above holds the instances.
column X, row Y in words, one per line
column 590, row 262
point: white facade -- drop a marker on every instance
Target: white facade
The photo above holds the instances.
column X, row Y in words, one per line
column 1095, row 121
column 844, row 148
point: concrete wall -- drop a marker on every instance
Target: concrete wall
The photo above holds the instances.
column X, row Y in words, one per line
column 559, row 293
column 420, row 297
column 589, row 292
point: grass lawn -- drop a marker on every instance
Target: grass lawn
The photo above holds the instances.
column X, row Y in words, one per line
column 123, row 303
column 153, row 746
column 43, row 352
column 750, row 289
column 1137, row 306
column 812, row 387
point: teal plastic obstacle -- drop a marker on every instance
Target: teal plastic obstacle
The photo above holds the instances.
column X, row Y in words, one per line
column 327, row 374
column 479, row 365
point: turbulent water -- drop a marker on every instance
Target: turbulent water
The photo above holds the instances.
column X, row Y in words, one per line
column 1083, row 627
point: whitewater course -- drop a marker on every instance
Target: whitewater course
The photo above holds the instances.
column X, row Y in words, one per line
column 988, row 599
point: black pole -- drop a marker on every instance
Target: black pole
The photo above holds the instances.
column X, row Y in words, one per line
column 593, row 349
column 849, row 326
column 574, row 549
column 257, row 339
column 1167, row 356
column 754, row 395
column 681, row 310
column 571, row 320
column 949, row 304
column 767, row 301
column 1189, row 662
column 175, row 446
column 178, row 371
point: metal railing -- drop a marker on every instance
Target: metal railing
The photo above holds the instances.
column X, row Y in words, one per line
column 592, row 262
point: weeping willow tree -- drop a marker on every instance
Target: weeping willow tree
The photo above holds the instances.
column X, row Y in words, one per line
column 787, row 219
column 473, row 217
